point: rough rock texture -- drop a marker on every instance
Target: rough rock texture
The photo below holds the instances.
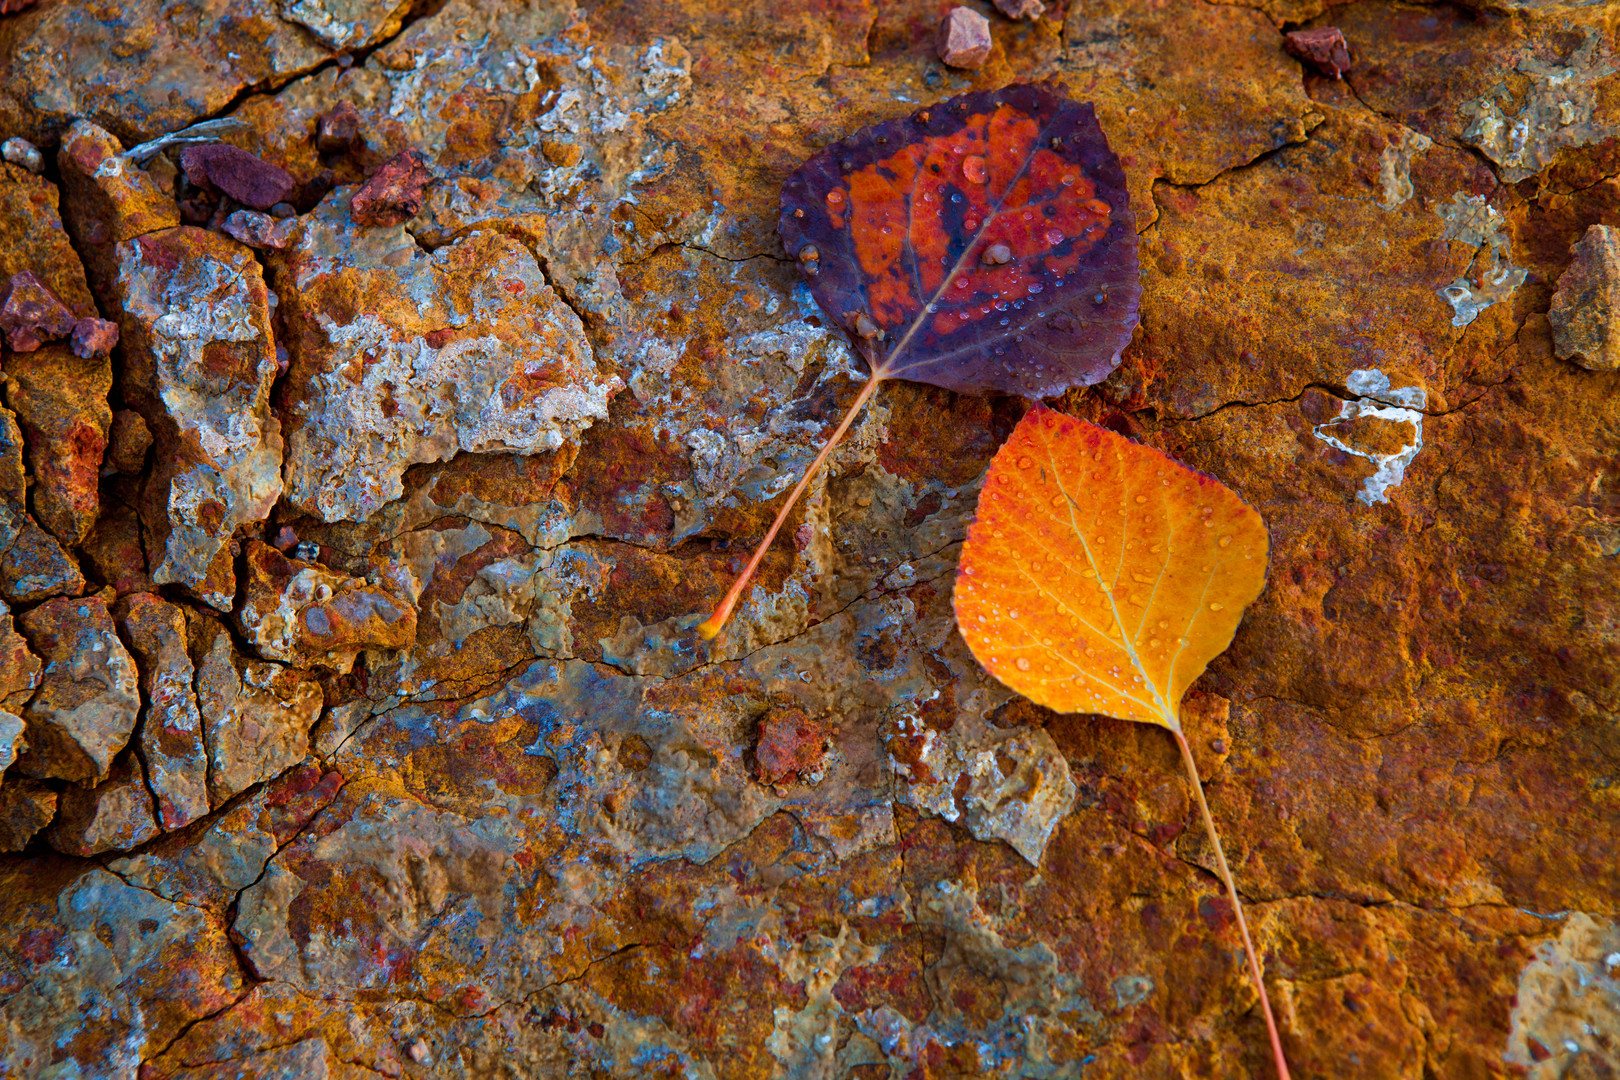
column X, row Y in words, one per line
column 87, row 703
column 171, row 735
column 531, row 832
column 302, row 614
column 1585, row 313
column 115, row 814
column 256, row 716
column 199, row 360
column 400, row 357
column 60, row 399
column 963, row 38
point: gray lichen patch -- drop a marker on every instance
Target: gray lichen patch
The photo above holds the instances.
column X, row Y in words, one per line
column 1492, row 277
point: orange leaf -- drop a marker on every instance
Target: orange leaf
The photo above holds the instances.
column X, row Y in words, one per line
column 1101, row 576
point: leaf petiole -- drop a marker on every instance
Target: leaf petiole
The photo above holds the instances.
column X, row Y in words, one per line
column 1237, row 905
column 712, row 626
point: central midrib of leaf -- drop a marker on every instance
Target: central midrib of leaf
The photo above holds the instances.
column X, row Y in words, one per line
column 881, row 370
column 1165, row 710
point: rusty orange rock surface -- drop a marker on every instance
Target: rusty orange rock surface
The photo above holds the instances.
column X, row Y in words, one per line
column 508, row 815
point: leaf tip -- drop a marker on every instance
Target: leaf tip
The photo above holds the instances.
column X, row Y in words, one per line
column 709, row 628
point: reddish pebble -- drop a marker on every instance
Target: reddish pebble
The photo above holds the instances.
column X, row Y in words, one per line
column 94, row 337
column 963, row 40
column 339, row 129
column 31, row 314
column 1021, row 9
column 1323, row 48
column 790, row 745
column 228, row 170
column 258, row 230
column 393, row 195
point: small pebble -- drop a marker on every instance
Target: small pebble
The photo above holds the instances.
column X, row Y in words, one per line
column 22, row 153
column 31, row 314
column 963, row 40
column 339, row 129
column 418, row 1051
column 1323, row 48
column 228, row 170
column 393, row 195
column 258, row 230
column 1021, row 9
column 283, row 210
column 94, row 337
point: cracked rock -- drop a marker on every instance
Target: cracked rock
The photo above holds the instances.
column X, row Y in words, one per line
column 256, row 716
column 199, row 360
column 400, row 357
column 115, row 815
column 171, row 736
column 300, row 613
column 88, row 700
column 26, row 807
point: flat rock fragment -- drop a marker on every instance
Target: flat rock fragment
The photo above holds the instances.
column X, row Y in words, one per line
column 393, row 195
column 1585, row 314
column 1021, row 9
column 19, row 151
column 11, row 740
column 260, row 231
column 171, row 737
column 228, row 170
column 256, row 716
column 963, row 38
column 26, row 806
column 302, row 614
column 93, row 337
column 33, row 566
column 19, row 667
column 115, row 815
column 88, row 699
column 127, row 442
column 199, row 361
column 400, row 357
column 30, row 314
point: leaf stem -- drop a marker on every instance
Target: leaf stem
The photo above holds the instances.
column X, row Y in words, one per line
column 716, row 621
column 1237, row 905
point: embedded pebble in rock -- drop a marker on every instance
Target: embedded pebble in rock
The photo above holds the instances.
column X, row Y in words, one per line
column 171, row 738
column 94, row 337
column 393, row 194
column 256, row 716
column 1021, row 9
column 228, row 170
column 258, row 230
column 26, row 807
column 127, row 442
column 30, row 314
column 400, row 357
column 338, row 131
column 302, row 614
column 21, row 152
column 115, row 815
column 1585, row 313
column 963, row 39
column 88, row 699
column 199, row 358
column 1322, row 47
column 789, row 746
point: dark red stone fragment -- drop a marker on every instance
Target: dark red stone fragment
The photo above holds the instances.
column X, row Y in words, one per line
column 790, row 745
column 231, row 171
column 11, row 7
column 1323, row 48
column 94, row 337
column 31, row 314
column 983, row 244
column 393, row 194
column 339, row 129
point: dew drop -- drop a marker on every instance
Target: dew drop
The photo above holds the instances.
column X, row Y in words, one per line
column 1034, row 566
column 1153, row 643
column 973, row 169
column 835, row 198
column 1226, row 541
column 1216, row 607
column 1140, row 499
column 1023, row 664
column 1055, row 237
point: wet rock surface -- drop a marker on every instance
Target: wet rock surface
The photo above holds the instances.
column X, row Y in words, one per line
column 352, row 719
